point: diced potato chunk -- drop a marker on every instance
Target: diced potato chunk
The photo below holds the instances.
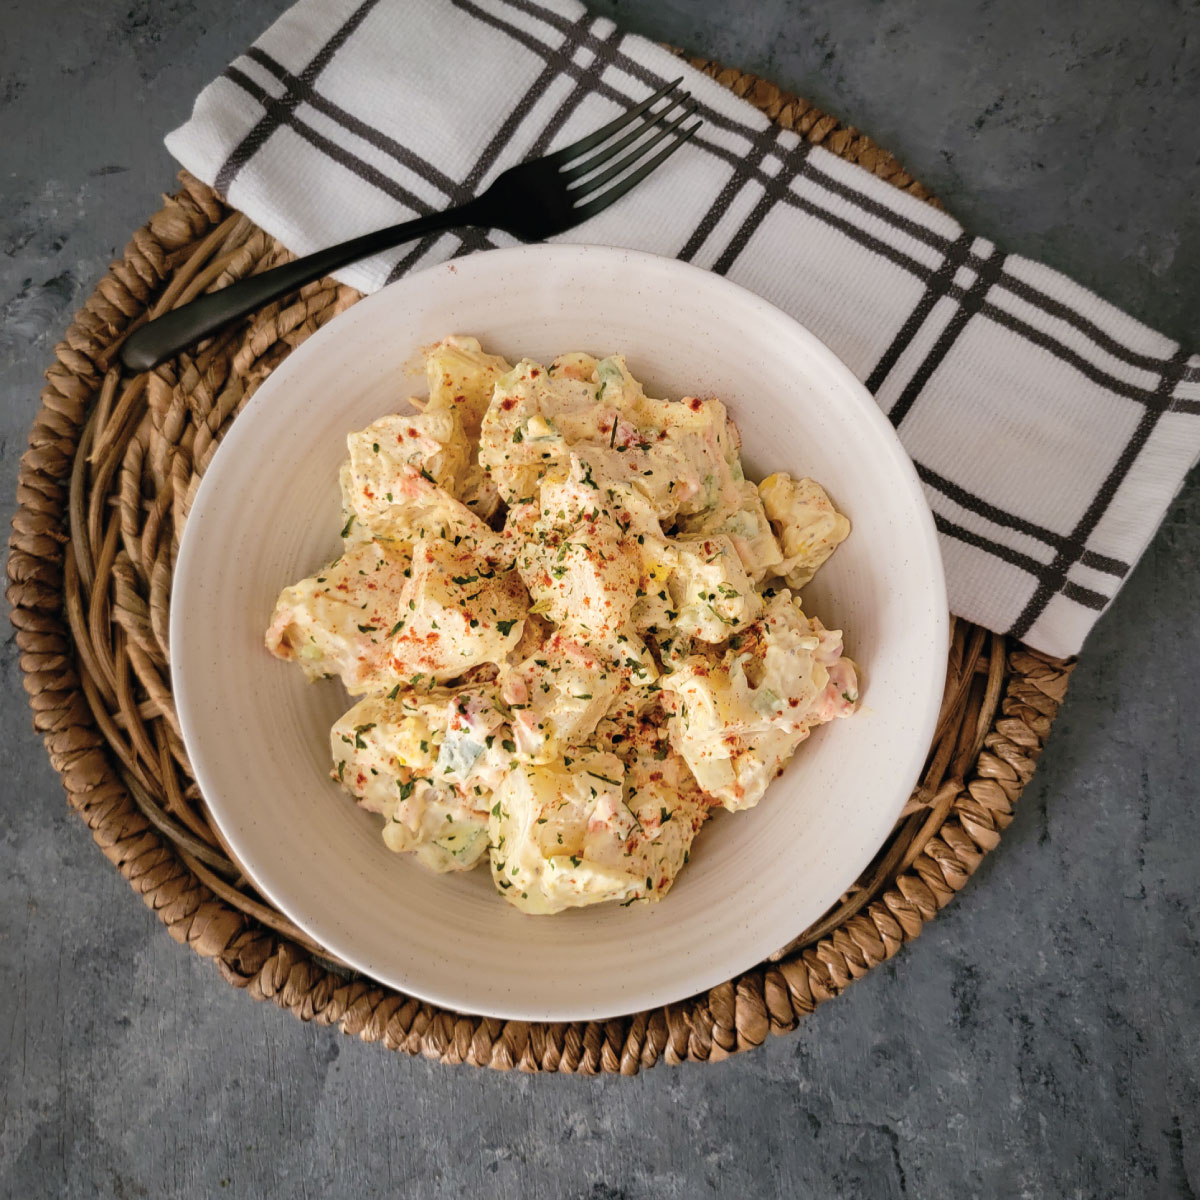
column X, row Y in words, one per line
column 810, row 529
column 710, row 590
column 389, row 450
column 338, row 621
column 558, row 696
column 390, row 753
column 461, row 380
column 746, row 525
column 574, row 563
column 418, row 509
column 738, row 719
column 521, row 435
column 586, row 830
column 455, row 613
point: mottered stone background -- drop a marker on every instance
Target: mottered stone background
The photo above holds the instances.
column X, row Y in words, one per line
column 1041, row 1039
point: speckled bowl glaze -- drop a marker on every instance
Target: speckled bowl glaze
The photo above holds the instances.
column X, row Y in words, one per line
column 258, row 735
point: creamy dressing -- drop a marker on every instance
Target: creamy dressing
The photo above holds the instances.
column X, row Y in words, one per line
column 572, row 621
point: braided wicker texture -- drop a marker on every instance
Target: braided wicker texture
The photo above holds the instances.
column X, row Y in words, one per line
column 105, row 486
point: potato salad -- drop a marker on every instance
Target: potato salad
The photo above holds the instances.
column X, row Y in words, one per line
column 571, row 626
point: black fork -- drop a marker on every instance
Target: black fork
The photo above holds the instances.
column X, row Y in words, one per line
column 531, row 201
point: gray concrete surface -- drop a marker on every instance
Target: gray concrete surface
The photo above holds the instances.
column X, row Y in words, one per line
column 1041, row 1038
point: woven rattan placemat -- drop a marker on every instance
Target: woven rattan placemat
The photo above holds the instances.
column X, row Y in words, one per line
column 105, row 486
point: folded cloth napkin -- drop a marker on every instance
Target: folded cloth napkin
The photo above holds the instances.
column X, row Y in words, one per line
column 1050, row 429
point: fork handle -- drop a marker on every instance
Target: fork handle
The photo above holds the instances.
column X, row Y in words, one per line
column 165, row 336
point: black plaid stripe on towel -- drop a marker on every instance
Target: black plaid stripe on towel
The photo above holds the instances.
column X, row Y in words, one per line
column 1050, row 429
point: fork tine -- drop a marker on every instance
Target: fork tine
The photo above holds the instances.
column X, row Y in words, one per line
column 570, row 153
column 601, row 202
column 654, row 119
column 589, row 186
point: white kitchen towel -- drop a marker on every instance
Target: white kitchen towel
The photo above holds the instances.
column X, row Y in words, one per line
column 1050, row 429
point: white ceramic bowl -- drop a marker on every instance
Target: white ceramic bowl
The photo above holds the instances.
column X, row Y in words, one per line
column 258, row 735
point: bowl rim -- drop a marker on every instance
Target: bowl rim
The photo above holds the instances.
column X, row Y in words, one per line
column 265, row 878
